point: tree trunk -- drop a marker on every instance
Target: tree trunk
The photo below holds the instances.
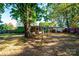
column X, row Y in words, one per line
column 27, row 30
column 67, row 23
column 66, row 18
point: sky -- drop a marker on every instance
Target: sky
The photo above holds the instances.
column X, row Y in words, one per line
column 6, row 17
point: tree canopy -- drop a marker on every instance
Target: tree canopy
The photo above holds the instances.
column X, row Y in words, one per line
column 65, row 14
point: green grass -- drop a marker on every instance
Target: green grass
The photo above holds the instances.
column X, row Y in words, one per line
column 8, row 35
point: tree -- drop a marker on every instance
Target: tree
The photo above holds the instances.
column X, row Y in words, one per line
column 65, row 12
column 7, row 27
column 26, row 13
column 1, row 10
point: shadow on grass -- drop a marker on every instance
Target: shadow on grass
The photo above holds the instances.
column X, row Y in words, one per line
column 56, row 46
column 61, row 48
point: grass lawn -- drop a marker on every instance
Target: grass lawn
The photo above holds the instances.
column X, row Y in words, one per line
column 7, row 35
column 51, row 44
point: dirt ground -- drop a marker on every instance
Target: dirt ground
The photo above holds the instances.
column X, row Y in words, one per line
column 49, row 44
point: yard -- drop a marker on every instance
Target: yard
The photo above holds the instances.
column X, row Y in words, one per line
column 39, row 29
column 48, row 44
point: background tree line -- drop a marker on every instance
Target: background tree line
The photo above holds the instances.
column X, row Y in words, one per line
column 66, row 14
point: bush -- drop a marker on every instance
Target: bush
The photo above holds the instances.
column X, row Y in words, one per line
column 19, row 30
